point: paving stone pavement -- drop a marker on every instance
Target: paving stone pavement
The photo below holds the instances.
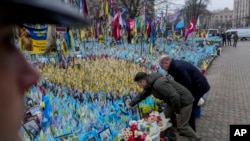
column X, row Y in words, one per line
column 228, row 101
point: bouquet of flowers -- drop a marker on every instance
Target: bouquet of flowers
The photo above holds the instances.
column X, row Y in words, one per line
column 132, row 133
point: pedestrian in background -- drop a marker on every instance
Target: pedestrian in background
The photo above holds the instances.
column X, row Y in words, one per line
column 224, row 39
column 229, row 36
column 190, row 77
column 235, row 38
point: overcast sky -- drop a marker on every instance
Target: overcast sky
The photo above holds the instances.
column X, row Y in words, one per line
column 176, row 4
column 214, row 4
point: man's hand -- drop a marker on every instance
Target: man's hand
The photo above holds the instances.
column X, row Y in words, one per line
column 128, row 106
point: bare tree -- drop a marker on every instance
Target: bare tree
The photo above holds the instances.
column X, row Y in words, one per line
column 132, row 6
column 195, row 8
column 135, row 7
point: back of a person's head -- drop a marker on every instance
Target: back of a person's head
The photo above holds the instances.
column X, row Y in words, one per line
column 140, row 75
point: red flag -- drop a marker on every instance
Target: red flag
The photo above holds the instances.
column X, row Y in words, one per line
column 190, row 28
column 85, row 8
column 116, row 27
column 148, row 29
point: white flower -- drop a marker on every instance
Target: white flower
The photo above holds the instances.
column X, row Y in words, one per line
column 136, row 132
column 120, row 136
column 132, row 122
column 140, row 133
column 147, row 138
column 126, row 138
column 155, row 113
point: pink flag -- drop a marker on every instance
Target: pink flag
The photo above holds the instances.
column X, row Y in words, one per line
column 116, row 27
column 85, row 8
column 190, row 28
column 131, row 24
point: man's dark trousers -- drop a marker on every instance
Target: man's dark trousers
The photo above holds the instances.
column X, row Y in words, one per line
column 193, row 117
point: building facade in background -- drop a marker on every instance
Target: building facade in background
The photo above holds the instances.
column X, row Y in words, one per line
column 222, row 19
column 241, row 13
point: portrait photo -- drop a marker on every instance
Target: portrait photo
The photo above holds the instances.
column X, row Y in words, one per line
column 36, row 111
column 73, row 121
column 22, row 132
column 126, row 99
column 67, row 136
column 135, row 110
column 92, row 139
column 32, row 128
column 105, row 134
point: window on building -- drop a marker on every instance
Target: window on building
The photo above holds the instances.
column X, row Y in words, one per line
column 221, row 17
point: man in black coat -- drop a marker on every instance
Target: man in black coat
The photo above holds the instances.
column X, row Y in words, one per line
column 229, row 36
column 224, row 39
column 189, row 76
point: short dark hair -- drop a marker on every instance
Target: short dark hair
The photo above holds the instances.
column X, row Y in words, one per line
column 140, row 76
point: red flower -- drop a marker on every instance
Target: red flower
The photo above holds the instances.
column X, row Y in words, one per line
column 141, row 137
column 133, row 127
column 131, row 138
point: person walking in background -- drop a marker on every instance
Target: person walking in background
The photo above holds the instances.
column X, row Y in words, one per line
column 224, row 39
column 190, row 77
column 229, row 36
column 235, row 38
column 177, row 97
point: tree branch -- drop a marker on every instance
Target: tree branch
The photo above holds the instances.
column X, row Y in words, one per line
column 123, row 2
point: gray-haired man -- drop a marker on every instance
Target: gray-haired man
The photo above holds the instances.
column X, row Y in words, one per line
column 189, row 76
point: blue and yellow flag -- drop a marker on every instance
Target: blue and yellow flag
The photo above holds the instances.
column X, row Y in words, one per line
column 34, row 38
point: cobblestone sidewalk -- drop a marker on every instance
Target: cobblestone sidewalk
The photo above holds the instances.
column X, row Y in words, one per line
column 228, row 101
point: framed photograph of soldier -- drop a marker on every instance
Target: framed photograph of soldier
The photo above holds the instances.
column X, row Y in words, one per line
column 23, row 133
column 126, row 99
column 67, row 136
column 105, row 134
column 32, row 128
column 35, row 110
column 92, row 139
column 135, row 110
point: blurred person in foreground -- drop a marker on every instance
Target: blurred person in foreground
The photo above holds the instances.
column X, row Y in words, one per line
column 16, row 74
column 178, row 98
column 190, row 77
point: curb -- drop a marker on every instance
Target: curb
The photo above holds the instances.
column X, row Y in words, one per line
column 205, row 71
column 210, row 64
